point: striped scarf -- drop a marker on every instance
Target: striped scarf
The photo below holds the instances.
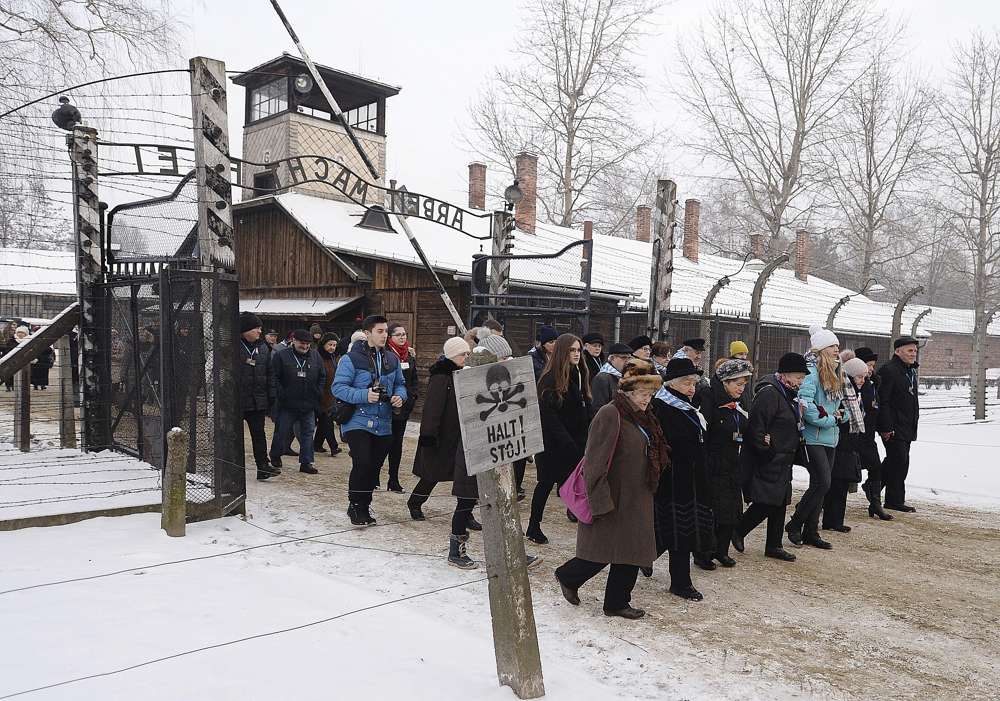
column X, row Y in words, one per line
column 610, row 369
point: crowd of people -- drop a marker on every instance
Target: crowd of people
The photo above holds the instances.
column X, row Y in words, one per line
column 13, row 332
column 677, row 459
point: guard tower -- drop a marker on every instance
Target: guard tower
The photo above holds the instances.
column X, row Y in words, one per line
column 287, row 116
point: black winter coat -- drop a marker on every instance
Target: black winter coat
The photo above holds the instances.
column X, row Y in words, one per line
column 565, row 422
column 864, row 444
column 296, row 393
column 40, row 368
column 845, row 463
column 767, row 469
column 440, row 431
column 723, row 439
column 593, row 365
column 538, row 361
column 899, row 405
column 257, row 388
column 682, row 509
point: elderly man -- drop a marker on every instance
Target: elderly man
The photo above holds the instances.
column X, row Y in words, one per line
column 300, row 377
column 593, row 353
column 257, row 389
column 898, row 414
column 604, row 384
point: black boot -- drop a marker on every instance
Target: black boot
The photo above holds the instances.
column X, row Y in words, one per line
column 794, row 531
column 779, row 554
column 473, row 524
column 873, row 490
column 416, row 513
column 814, row 540
column 358, row 515
column 571, row 516
column 535, row 535
column 704, row 561
column 394, row 486
column 738, row 542
column 457, row 557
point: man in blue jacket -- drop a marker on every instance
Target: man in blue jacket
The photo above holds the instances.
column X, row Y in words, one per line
column 368, row 378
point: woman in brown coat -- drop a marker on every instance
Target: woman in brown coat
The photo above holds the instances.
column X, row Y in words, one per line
column 621, row 477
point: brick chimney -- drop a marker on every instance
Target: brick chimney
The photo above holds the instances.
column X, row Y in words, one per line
column 527, row 176
column 477, row 185
column 643, row 223
column 757, row 245
column 692, row 215
column 588, row 233
column 802, row 255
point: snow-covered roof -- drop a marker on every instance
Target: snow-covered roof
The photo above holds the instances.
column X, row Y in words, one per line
column 293, row 307
column 37, row 272
column 622, row 266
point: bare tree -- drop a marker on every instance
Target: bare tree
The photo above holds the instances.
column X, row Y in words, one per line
column 875, row 158
column 764, row 79
column 970, row 110
column 571, row 102
column 46, row 45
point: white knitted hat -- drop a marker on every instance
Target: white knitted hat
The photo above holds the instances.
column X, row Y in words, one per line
column 494, row 343
column 820, row 338
column 23, row 329
column 455, row 346
column 856, row 367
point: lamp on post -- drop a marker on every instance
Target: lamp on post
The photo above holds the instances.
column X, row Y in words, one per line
column 755, row 305
column 871, row 285
column 706, row 309
column 897, row 314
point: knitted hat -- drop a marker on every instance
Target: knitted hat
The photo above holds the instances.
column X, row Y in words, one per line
column 301, row 335
column 856, row 367
column 640, row 341
column 455, row 346
column 316, row 329
column 737, row 347
column 820, row 338
column 481, row 356
column 494, row 343
column 734, row 369
column 357, row 336
column 793, row 362
column 546, row 333
column 327, row 337
column 619, row 349
column 865, row 353
column 697, row 344
column 905, row 341
column 26, row 330
column 680, row 367
column 593, row 338
column 248, row 321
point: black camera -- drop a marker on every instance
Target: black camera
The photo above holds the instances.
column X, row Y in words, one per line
column 383, row 394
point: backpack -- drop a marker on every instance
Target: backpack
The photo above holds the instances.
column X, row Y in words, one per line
column 573, row 491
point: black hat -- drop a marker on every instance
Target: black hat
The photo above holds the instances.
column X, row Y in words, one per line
column 271, row 332
column 619, row 349
column 301, row 335
column 697, row 344
column 248, row 321
column 546, row 333
column 866, row 354
column 793, row 362
column 593, row 338
column 904, row 341
column 680, row 367
column 640, row 341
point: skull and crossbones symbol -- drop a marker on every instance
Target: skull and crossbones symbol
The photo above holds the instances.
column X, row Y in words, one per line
column 501, row 393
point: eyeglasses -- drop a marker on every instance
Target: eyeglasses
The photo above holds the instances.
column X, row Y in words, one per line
column 399, row 335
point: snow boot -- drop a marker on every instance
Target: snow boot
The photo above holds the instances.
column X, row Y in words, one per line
column 873, row 490
column 457, row 556
column 358, row 515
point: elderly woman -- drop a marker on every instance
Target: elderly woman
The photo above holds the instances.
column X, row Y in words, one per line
column 726, row 420
column 682, row 511
column 822, row 393
column 625, row 455
column 846, row 465
column 771, row 440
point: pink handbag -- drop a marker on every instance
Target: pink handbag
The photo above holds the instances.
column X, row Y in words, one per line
column 573, row 491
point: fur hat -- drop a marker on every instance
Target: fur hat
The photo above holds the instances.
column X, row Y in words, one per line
column 856, row 367
column 327, row 337
column 455, row 346
column 793, row 362
column 639, row 374
column 820, row 338
column 481, row 356
column 248, row 321
column 734, row 369
column 680, row 367
column 737, row 347
column 494, row 343
column 640, row 341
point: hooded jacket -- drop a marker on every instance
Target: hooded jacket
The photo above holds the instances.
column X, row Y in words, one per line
column 767, row 466
column 440, row 431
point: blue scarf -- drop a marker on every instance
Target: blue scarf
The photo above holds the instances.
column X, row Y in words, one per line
column 671, row 399
column 610, row 369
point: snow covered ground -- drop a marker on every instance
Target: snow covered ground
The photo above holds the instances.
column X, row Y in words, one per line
column 232, row 614
column 59, row 481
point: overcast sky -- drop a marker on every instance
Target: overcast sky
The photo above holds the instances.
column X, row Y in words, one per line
column 442, row 52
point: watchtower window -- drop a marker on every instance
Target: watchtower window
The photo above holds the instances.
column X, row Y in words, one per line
column 364, row 118
column 269, row 99
column 264, row 183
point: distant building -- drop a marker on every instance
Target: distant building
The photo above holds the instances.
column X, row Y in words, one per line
column 36, row 284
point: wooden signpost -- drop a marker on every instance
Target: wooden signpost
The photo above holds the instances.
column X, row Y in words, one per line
column 500, row 423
